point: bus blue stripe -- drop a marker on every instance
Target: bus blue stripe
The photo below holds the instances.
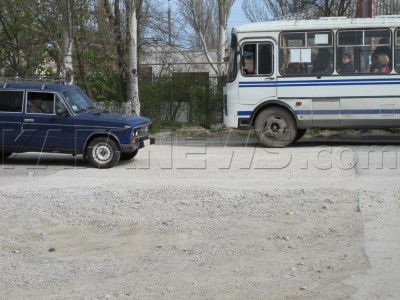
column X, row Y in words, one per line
column 323, row 80
column 349, row 112
column 304, row 83
column 336, row 112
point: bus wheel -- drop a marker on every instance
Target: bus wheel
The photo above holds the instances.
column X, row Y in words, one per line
column 275, row 127
column 300, row 133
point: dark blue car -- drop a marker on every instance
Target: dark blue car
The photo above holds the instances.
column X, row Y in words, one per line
column 37, row 117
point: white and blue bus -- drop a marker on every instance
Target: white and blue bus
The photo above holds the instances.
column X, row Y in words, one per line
column 285, row 77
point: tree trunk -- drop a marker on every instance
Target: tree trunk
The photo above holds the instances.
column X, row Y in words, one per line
column 222, row 42
column 68, row 41
column 224, row 8
column 132, row 103
column 82, row 69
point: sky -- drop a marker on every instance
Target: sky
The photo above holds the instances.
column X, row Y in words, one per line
column 237, row 16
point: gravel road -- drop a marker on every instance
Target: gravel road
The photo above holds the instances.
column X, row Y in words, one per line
column 196, row 220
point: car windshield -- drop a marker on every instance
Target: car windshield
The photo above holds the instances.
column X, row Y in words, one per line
column 78, row 101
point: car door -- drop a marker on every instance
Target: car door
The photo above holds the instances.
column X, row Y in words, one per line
column 47, row 125
column 257, row 75
column 10, row 119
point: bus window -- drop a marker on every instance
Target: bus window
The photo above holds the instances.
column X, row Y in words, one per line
column 257, row 59
column 397, row 52
column 364, row 51
column 306, row 53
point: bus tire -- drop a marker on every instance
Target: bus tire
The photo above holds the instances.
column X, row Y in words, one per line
column 103, row 153
column 300, row 134
column 275, row 127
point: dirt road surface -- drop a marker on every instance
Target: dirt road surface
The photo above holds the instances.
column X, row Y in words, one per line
column 199, row 220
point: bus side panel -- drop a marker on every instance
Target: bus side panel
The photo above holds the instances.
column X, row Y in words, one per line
column 339, row 101
column 369, row 112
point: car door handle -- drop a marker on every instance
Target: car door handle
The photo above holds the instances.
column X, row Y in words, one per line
column 29, row 120
column 270, row 78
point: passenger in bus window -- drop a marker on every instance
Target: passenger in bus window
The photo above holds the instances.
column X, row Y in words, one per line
column 374, row 66
column 294, row 68
column 322, row 62
column 347, row 65
column 384, row 49
column 383, row 60
column 248, row 59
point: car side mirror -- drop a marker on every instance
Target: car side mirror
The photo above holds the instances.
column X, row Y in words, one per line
column 62, row 112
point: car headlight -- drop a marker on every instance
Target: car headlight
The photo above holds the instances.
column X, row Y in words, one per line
column 141, row 131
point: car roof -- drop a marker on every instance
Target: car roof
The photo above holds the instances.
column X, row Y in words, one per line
column 49, row 87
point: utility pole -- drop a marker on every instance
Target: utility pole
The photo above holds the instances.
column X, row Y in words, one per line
column 169, row 64
column 169, row 23
column 365, row 8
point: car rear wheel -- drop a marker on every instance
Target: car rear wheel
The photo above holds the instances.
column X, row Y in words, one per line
column 275, row 127
column 103, row 153
column 129, row 156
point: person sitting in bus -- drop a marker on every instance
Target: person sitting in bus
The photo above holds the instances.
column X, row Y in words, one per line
column 347, row 65
column 321, row 63
column 374, row 67
column 383, row 60
column 294, row 68
column 384, row 49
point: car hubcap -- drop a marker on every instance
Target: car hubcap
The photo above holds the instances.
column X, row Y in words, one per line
column 102, row 153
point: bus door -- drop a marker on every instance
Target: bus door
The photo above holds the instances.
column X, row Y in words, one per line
column 257, row 78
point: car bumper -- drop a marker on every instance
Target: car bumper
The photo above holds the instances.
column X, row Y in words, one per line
column 129, row 148
column 146, row 142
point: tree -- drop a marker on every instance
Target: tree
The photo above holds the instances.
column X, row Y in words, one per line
column 205, row 16
column 388, row 7
column 23, row 47
column 67, row 12
column 200, row 14
column 334, row 7
column 133, row 103
column 255, row 10
column 123, row 20
column 261, row 10
column 224, row 8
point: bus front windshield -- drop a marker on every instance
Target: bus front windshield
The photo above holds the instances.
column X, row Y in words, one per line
column 232, row 66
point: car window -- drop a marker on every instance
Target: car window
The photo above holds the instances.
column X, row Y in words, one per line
column 78, row 101
column 11, row 101
column 40, row 103
column 59, row 104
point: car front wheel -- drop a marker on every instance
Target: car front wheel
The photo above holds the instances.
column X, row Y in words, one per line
column 103, row 153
